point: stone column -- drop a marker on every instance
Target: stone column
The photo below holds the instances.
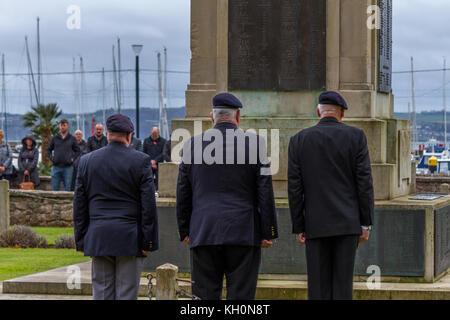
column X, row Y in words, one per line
column 4, row 205
column 353, row 60
column 202, row 86
column 166, row 282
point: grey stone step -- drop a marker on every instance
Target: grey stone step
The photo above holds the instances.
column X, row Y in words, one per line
column 52, row 284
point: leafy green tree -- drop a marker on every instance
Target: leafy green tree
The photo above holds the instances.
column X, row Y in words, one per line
column 42, row 120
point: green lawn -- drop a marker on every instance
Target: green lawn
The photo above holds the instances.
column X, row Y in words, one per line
column 52, row 233
column 19, row 262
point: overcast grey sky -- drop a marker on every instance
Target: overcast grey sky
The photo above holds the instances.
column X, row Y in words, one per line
column 421, row 29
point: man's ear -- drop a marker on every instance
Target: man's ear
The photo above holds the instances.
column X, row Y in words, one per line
column 238, row 116
column 318, row 111
column 212, row 116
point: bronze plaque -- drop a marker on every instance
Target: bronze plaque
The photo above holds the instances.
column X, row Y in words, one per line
column 277, row 45
column 385, row 47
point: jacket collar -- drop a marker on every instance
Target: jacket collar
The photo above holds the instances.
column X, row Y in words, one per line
column 328, row 120
column 99, row 139
column 151, row 138
column 115, row 144
column 68, row 135
column 225, row 125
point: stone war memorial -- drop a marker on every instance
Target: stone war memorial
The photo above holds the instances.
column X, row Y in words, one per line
column 277, row 57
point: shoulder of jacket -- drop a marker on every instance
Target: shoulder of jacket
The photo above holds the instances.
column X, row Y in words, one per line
column 353, row 129
column 84, row 159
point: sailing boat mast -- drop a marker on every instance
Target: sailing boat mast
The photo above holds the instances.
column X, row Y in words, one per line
column 3, row 115
column 413, row 99
column 39, row 66
column 76, row 99
column 164, row 124
column 82, row 101
column 116, row 94
column 103, row 96
column 160, row 90
column 445, row 107
column 30, row 72
column 119, row 96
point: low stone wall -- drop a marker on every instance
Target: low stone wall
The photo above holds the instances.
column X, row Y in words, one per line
column 428, row 184
column 41, row 208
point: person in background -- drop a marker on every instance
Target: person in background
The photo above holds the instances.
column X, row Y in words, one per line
column 83, row 150
column 28, row 160
column 6, row 166
column 63, row 151
column 136, row 144
column 153, row 146
column 98, row 140
column 81, row 143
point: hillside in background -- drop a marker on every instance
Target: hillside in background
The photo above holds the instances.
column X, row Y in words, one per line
column 425, row 116
column 429, row 124
column 149, row 118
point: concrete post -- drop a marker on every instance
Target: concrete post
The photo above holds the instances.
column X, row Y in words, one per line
column 166, row 283
column 444, row 188
column 4, row 205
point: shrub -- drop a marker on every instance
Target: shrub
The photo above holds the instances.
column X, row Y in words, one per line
column 45, row 169
column 22, row 237
column 65, row 241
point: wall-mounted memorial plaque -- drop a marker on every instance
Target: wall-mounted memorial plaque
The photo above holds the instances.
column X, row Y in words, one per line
column 277, row 45
column 385, row 47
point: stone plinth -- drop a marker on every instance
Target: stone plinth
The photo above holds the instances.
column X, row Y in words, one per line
column 409, row 243
column 388, row 142
column 168, row 176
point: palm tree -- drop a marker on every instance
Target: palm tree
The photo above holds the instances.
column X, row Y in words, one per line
column 43, row 124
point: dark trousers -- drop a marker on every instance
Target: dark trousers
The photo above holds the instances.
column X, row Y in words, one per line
column 239, row 264
column 330, row 264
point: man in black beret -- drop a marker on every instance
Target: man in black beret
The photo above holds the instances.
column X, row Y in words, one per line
column 226, row 209
column 115, row 218
column 330, row 198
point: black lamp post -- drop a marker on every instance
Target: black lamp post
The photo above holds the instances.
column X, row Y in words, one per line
column 137, row 48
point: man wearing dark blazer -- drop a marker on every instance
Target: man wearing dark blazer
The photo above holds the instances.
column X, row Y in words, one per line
column 225, row 205
column 330, row 198
column 115, row 218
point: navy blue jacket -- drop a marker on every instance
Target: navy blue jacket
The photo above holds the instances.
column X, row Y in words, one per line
column 330, row 180
column 114, row 206
column 225, row 204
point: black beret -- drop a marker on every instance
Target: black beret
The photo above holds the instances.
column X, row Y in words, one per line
column 119, row 123
column 332, row 98
column 226, row 100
